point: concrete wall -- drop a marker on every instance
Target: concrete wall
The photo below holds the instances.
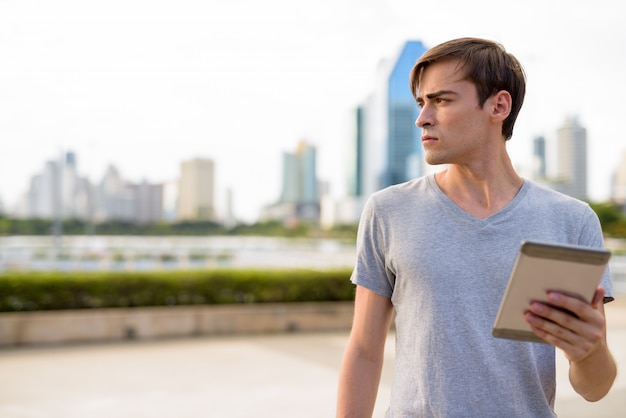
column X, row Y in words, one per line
column 105, row 325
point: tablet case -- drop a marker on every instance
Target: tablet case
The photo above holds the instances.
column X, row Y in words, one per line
column 539, row 267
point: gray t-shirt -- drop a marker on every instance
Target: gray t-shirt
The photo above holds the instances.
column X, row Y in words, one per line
column 445, row 272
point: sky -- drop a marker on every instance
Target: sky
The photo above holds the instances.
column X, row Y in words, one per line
column 144, row 85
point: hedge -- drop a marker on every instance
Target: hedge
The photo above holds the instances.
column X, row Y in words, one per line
column 21, row 291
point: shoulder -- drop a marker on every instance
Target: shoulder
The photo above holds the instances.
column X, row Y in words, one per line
column 399, row 193
column 551, row 198
column 398, row 201
column 561, row 210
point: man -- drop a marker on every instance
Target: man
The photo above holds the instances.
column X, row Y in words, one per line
column 438, row 251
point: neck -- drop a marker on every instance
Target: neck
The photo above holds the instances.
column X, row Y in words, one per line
column 483, row 188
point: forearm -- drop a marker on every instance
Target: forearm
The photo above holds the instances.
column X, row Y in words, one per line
column 593, row 376
column 363, row 359
column 358, row 385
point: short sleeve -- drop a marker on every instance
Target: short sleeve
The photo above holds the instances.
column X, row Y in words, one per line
column 370, row 270
column 591, row 235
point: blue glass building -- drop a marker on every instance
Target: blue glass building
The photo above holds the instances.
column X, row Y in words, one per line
column 403, row 137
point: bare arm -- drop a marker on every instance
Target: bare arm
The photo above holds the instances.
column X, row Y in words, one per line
column 363, row 359
column 582, row 339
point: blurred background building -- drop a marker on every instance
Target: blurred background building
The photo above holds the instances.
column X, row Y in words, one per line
column 571, row 178
column 618, row 186
column 383, row 148
column 404, row 155
column 539, row 169
column 301, row 193
column 59, row 192
column 196, row 196
column 388, row 147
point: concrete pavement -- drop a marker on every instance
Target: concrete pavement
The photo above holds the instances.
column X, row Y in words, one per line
column 281, row 375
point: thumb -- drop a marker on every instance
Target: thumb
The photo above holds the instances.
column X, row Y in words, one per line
column 598, row 297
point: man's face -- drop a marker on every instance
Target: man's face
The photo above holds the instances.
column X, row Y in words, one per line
column 454, row 126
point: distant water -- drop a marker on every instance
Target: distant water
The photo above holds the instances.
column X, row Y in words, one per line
column 90, row 253
column 140, row 253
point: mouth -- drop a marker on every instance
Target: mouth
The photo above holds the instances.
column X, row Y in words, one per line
column 427, row 139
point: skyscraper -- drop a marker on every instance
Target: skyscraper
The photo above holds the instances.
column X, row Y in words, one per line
column 572, row 159
column 196, row 190
column 170, row 200
column 308, row 165
column 539, row 158
column 44, row 192
column 58, row 191
column 300, row 195
column 147, row 202
column 300, row 175
column 355, row 156
column 348, row 209
column 115, row 200
column 618, row 184
column 403, row 137
column 389, row 147
column 76, row 198
column 385, row 146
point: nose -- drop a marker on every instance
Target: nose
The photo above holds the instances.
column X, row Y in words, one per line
column 424, row 118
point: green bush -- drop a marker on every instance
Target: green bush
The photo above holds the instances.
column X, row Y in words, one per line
column 20, row 291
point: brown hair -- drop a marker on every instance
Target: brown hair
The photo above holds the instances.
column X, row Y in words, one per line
column 487, row 65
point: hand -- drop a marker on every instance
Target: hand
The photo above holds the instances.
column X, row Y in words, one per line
column 579, row 332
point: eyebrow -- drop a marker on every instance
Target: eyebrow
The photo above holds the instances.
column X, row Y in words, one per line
column 440, row 93
column 436, row 94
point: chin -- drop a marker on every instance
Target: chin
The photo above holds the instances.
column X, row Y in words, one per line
column 433, row 160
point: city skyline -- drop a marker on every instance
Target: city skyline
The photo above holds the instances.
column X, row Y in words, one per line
column 60, row 190
column 241, row 82
column 553, row 167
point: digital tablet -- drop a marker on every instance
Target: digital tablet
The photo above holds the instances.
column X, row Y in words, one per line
column 539, row 267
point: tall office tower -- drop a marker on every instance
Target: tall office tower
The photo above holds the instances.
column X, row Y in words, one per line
column 76, row 191
column 229, row 212
column 618, row 192
column 196, row 190
column 308, row 167
column 291, row 179
column 69, row 183
column 572, row 159
column 170, row 200
column 59, row 192
column 539, row 158
column 392, row 148
column 114, row 198
column 347, row 210
column 147, row 202
column 403, row 137
column 355, row 156
column 300, row 175
column 300, row 197
column 44, row 194
column 84, row 199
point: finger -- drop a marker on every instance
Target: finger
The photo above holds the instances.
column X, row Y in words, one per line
column 551, row 331
column 571, row 343
column 586, row 312
column 563, row 326
column 555, row 321
column 598, row 297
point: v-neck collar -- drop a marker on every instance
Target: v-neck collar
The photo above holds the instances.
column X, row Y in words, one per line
column 462, row 213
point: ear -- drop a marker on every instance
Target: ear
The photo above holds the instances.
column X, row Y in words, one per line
column 501, row 105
